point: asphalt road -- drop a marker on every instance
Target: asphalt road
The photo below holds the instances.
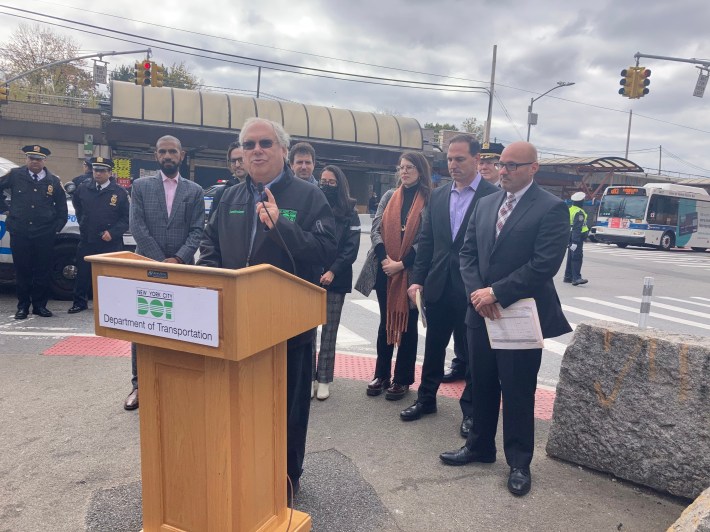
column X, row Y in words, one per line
column 70, row 452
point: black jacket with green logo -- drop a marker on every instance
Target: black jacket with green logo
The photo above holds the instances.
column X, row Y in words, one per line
column 305, row 223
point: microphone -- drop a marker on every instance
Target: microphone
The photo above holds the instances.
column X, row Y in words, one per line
column 262, row 197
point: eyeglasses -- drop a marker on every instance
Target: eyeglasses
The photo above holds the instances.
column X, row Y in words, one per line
column 264, row 144
column 511, row 167
column 405, row 168
column 237, row 160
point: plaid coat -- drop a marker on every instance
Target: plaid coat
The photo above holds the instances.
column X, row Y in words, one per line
column 158, row 236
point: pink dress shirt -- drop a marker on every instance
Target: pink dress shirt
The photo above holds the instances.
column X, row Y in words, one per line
column 170, row 186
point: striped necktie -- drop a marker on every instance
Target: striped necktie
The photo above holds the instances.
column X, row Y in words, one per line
column 504, row 212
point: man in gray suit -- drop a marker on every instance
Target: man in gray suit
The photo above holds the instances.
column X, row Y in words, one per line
column 167, row 218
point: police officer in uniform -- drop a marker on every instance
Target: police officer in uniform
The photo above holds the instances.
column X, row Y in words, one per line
column 578, row 233
column 101, row 208
column 87, row 175
column 37, row 213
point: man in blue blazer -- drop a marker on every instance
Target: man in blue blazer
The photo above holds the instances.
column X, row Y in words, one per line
column 515, row 242
column 167, row 219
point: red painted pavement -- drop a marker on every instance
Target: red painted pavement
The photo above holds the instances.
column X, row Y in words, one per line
column 346, row 367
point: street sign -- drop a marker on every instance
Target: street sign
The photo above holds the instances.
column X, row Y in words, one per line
column 701, row 84
column 99, row 73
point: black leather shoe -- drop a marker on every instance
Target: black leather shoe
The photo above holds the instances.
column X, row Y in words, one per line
column 416, row 411
column 519, row 481
column 21, row 314
column 451, row 375
column 396, row 391
column 377, row 386
column 75, row 309
column 131, row 402
column 466, row 425
column 579, row 281
column 465, row 456
column 42, row 311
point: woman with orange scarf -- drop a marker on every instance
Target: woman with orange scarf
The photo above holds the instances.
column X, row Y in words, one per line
column 395, row 232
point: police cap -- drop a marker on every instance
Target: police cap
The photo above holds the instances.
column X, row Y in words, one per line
column 578, row 196
column 101, row 163
column 34, row 151
column 491, row 150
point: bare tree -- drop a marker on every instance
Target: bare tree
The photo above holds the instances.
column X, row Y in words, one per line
column 30, row 47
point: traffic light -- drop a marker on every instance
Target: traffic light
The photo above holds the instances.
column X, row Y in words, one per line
column 158, row 75
column 4, row 93
column 142, row 71
column 642, row 82
column 628, row 76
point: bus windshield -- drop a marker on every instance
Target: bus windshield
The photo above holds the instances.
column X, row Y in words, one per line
column 623, row 207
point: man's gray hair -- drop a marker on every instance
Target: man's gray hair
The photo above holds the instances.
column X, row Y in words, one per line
column 169, row 138
column 283, row 138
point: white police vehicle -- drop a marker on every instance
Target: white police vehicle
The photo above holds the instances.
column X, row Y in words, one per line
column 64, row 256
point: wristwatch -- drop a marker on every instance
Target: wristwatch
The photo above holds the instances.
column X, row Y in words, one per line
column 493, row 295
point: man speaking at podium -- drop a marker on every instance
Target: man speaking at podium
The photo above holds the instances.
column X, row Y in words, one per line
column 275, row 218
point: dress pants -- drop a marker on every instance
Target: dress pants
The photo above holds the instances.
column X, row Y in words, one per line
column 83, row 274
column 459, row 363
column 407, row 351
column 512, row 373
column 573, row 268
column 32, row 257
column 323, row 371
column 444, row 317
column 298, row 405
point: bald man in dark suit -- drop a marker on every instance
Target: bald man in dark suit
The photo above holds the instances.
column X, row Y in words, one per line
column 515, row 243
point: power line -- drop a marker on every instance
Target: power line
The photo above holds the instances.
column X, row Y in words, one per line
column 267, row 46
column 271, row 64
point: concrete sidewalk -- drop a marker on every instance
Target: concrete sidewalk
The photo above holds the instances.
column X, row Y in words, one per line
column 69, row 461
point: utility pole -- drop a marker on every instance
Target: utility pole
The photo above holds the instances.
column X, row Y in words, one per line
column 628, row 134
column 487, row 130
column 660, row 152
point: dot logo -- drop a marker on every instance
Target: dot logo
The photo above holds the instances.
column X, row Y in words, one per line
column 155, row 304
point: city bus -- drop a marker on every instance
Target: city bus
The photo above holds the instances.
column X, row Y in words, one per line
column 660, row 215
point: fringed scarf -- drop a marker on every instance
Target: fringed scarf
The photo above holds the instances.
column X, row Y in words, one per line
column 397, row 246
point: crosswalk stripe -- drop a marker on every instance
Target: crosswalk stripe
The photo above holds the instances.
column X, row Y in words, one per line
column 682, row 301
column 346, row 337
column 374, row 307
column 700, row 298
column 668, row 307
column 594, row 315
column 556, row 347
column 636, row 311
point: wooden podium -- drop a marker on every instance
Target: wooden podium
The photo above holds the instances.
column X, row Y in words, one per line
column 212, row 419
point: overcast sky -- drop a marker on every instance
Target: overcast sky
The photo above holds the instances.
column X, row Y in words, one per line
column 442, row 41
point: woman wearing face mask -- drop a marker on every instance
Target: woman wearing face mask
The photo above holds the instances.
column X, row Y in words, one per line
column 338, row 278
column 395, row 232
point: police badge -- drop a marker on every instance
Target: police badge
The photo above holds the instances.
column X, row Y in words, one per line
column 50, row 190
column 114, row 200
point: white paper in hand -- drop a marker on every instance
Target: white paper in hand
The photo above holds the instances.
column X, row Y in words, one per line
column 517, row 328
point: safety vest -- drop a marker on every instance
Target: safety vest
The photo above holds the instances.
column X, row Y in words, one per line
column 573, row 210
